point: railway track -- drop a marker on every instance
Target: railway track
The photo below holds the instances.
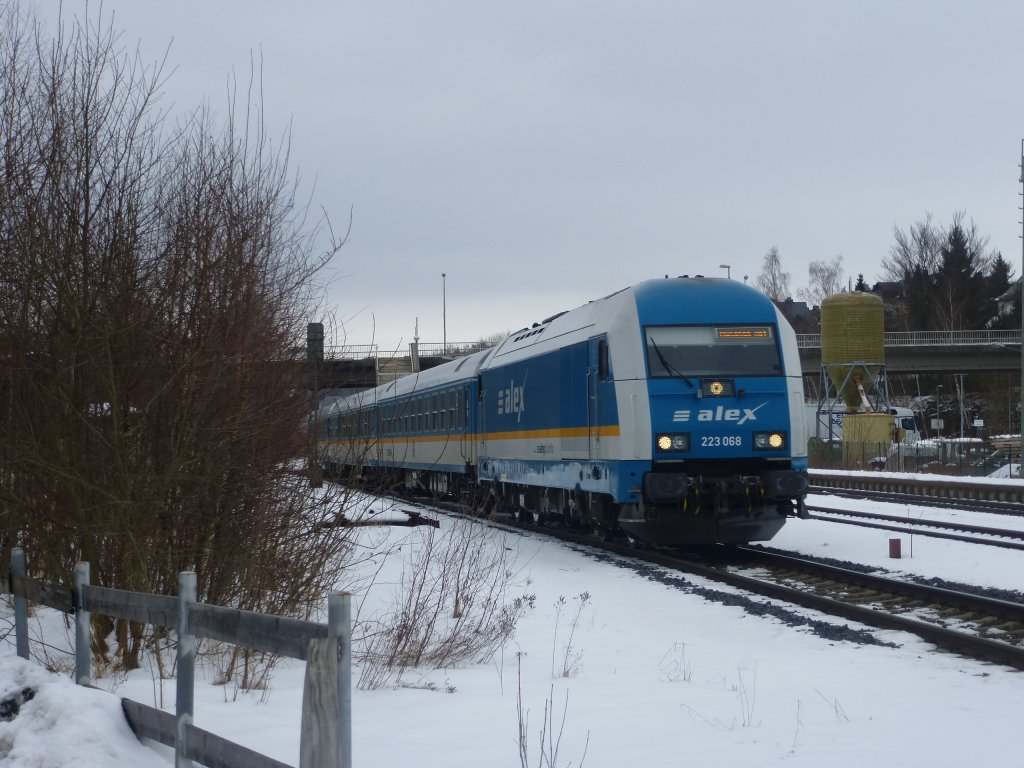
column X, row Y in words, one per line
column 997, row 537
column 967, row 623
column 990, row 506
column 960, row 622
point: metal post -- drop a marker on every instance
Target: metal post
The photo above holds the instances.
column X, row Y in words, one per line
column 339, row 625
column 185, row 692
column 444, row 315
column 83, row 627
column 315, row 357
column 20, row 605
column 960, row 394
column 1021, row 283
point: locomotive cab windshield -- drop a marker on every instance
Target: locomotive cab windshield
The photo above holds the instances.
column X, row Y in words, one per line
column 710, row 350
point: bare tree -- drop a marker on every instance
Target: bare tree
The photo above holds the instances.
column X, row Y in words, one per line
column 155, row 281
column 943, row 276
column 825, row 279
column 919, row 248
column 772, row 281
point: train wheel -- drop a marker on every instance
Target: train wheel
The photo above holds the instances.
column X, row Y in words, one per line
column 529, row 517
column 635, row 543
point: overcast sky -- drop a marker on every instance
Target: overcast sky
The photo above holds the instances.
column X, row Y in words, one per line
column 543, row 154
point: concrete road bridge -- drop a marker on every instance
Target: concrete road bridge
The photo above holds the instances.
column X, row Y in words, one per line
column 906, row 352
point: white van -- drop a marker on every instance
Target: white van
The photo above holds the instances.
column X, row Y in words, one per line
column 818, row 425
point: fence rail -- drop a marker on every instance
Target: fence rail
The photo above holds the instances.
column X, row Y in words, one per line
column 326, row 739
column 931, row 338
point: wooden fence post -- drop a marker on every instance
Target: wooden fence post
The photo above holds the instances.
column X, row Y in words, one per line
column 326, row 734
column 185, row 688
column 339, row 625
column 83, row 627
column 20, row 605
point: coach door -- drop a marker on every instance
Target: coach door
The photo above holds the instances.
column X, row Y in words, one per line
column 464, row 423
column 597, row 371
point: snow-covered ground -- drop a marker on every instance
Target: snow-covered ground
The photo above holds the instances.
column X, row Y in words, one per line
column 656, row 676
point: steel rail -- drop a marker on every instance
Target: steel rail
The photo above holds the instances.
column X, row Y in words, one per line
column 924, row 524
column 987, row 506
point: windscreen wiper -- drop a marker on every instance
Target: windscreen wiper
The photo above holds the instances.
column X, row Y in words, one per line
column 665, row 364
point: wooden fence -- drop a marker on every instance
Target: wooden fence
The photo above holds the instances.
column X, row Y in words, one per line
column 326, row 737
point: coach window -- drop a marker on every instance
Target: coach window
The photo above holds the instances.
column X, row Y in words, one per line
column 602, row 359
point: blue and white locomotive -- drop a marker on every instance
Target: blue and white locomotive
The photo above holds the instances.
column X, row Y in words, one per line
column 670, row 412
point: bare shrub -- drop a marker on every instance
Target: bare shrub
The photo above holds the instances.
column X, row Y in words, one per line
column 454, row 604
column 674, row 666
column 571, row 657
column 549, row 738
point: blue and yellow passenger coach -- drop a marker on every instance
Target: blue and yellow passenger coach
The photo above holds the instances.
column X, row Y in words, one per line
column 668, row 412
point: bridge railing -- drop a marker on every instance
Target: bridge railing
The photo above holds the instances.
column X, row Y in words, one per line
column 930, row 338
column 452, row 348
column 353, row 352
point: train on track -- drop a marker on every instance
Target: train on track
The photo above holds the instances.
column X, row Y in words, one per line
column 670, row 412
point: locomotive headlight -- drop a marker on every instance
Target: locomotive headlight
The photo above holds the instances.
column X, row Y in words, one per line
column 677, row 441
column 769, row 441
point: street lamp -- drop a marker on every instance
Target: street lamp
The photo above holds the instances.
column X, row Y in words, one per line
column 728, row 270
column 1021, row 283
column 444, row 315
